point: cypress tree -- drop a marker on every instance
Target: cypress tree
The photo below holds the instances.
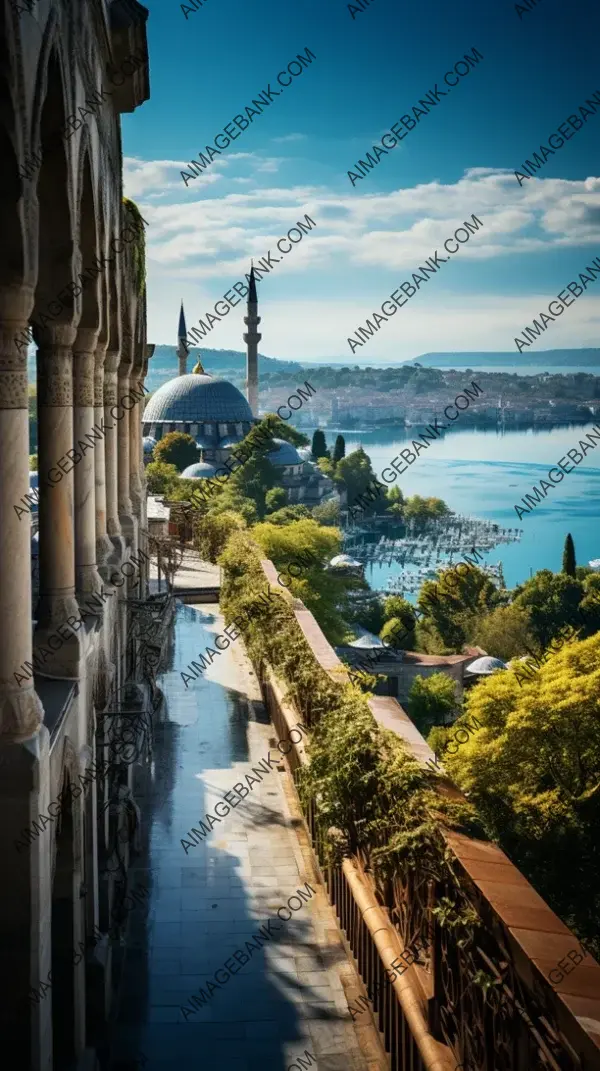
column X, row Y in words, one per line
column 319, row 446
column 339, row 450
column 568, row 563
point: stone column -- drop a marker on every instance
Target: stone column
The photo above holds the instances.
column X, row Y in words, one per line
column 25, row 900
column 135, row 461
column 20, row 709
column 113, row 525
column 122, row 416
column 56, row 542
column 85, row 439
column 104, row 547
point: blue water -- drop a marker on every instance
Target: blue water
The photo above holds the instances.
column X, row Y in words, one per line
column 484, row 473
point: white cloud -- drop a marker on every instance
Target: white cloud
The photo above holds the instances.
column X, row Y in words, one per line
column 289, row 137
column 201, row 243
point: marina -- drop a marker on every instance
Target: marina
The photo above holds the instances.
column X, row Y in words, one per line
column 425, row 549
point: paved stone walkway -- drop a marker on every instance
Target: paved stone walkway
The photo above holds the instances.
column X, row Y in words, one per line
column 204, row 905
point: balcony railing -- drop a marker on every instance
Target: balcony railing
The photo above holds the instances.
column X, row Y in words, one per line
column 480, row 997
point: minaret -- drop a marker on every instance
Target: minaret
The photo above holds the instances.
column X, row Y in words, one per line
column 182, row 344
column 252, row 338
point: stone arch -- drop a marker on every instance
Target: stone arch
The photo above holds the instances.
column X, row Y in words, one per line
column 12, row 262
column 55, row 241
column 88, row 238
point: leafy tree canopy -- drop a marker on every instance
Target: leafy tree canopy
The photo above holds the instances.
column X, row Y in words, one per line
column 453, row 604
column 297, row 512
column 33, row 462
column 533, row 772
column 275, row 499
column 323, row 592
column 355, row 473
column 161, row 479
column 552, row 600
column 282, row 429
column 213, row 532
column 328, row 513
column 504, row 633
column 432, row 701
column 176, row 448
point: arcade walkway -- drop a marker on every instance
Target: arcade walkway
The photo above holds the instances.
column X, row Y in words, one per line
column 205, row 905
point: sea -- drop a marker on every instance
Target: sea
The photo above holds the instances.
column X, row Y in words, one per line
column 482, row 473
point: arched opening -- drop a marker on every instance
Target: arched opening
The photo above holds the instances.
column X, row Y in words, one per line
column 53, row 306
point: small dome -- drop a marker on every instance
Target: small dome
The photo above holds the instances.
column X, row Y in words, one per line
column 482, row 667
column 285, row 454
column 148, row 444
column 200, row 470
column 344, row 561
column 367, row 641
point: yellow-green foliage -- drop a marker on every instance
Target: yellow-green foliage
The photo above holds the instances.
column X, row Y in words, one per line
column 213, row 532
column 365, row 784
column 533, row 772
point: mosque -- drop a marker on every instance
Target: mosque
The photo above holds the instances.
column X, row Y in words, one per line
column 218, row 416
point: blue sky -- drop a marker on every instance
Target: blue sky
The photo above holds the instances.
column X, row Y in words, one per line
column 294, row 158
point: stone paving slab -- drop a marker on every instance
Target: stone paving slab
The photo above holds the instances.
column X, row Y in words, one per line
column 206, row 903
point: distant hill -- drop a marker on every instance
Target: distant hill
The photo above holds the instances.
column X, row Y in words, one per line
column 218, row 361
column 545, row 358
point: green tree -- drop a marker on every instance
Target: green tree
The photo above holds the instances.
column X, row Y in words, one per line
column 552, row 601
column 328, row 513
column 368, row 613
column 176, row 448
column 397, row 606
column 319, row 446
column 421, row 510
column 213, row 532
column 355, row 472
column 504, row 633
column 394, row 502
column 339, row 450
column 288, row 514
column 394, row 632
column 275, row 499
column 432, row 701
column 568, row 562
column 452, row 605
column 282, row 429
column 533, row 772
column 322, row 591
column 161, row 478
column 33, row 462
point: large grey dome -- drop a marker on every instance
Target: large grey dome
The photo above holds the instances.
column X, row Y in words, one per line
column 199, row 398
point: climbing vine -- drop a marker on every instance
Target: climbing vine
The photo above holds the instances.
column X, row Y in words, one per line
column 369, row 793
column 139, row 245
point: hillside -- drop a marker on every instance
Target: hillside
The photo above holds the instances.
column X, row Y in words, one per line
column 545, row 358
column 219, row 361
